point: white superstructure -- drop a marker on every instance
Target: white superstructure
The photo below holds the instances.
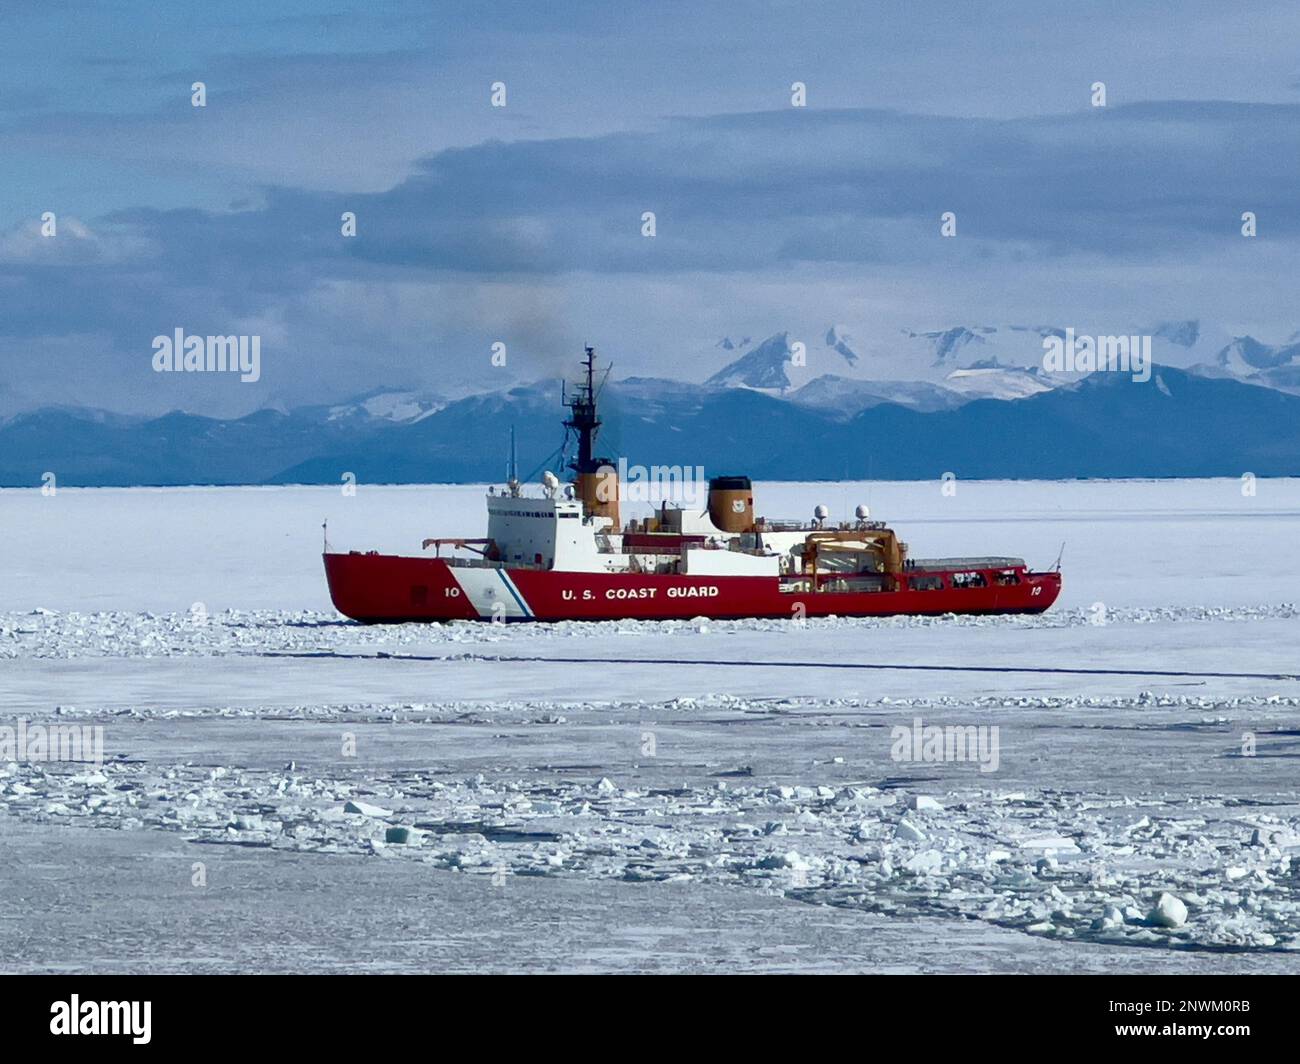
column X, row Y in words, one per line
column 552, row 533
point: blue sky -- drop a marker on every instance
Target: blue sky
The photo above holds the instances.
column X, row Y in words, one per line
column 522, row 224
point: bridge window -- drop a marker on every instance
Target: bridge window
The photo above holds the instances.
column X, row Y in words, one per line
column 925, row 583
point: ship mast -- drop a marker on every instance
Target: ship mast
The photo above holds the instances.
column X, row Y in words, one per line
column 583, row 419
column 596, row 478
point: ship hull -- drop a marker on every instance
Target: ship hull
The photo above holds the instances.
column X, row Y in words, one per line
column 385, row 588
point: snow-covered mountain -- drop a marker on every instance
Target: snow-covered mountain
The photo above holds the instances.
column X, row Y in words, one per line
column 990, row 379
column 995, row 352
column 1256, row 362
column 1246, row 355
column 968, row 393
column 844, row 397
column 841, row 342
column 948, row 346
column 385, row 405
column 763, row 367
column 1105, row 425
column 771, row 365
column 930, row 369
column 925, row 370
column 1180, row 333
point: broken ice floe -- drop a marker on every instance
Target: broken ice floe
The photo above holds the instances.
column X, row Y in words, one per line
column 1205, row 872
column 1238, row 708
column 50, row 634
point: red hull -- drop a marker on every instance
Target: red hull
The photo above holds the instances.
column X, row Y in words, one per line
column 393, row 588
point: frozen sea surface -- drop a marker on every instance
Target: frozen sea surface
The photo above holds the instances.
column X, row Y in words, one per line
column 653, row 796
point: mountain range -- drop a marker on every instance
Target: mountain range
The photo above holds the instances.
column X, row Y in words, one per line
column 985, row 419
column 1006, row 359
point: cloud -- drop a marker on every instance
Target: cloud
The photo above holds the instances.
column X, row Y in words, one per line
column 1139, row 183
column 536, row 242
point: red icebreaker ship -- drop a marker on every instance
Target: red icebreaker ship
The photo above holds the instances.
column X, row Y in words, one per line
column 562, row 555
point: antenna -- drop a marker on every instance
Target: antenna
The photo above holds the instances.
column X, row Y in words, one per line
column 512, row 466
column 1057, row 566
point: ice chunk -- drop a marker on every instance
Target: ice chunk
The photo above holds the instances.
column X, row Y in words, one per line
column 791, row 859
column 1060, row 843
column 1169, row 912
column 925, row 863
column 923, row 803
column 909, row 831
column 365, row 809
column 89, row 779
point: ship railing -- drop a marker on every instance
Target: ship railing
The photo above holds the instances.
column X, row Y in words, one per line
column 768, row 525
column 484, row 563
column 954, row 564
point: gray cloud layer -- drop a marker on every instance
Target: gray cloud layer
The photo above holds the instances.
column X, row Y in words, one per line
column 539, row 242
